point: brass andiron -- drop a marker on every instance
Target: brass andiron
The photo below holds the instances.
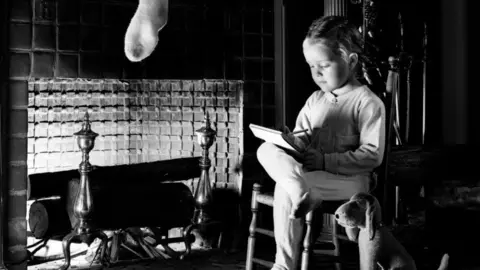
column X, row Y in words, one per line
column 83, row 205
column 203, row 193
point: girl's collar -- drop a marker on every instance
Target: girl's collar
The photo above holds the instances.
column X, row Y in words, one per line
column 349, row 85
column 342, row 91
column 336, row 95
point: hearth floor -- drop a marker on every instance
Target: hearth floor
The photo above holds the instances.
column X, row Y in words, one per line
column 215, row 259
column 412, row 236
column 199, row 259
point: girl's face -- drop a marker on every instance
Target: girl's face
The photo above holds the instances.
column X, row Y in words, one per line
column 329, row 71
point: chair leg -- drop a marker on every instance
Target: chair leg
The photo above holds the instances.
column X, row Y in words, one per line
column 400, row 215
column 307, row 240
column 252, row 228
column 397, row 204
column 336, row 251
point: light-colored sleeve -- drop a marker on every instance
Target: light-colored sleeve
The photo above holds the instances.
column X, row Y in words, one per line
column 303, row 122
column 369, row 154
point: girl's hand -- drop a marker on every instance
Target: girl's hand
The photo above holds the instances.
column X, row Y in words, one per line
column 313, row 160
column 289, row 134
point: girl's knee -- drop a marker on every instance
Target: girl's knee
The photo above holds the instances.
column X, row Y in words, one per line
column 281, row 198
column 265, row 151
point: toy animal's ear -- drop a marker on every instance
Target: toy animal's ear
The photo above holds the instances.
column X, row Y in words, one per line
column 370, row 216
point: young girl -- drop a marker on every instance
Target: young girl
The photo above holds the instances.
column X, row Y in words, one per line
column 344, row 141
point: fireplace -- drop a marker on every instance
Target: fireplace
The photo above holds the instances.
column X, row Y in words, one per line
column 138, row 122
column 77, row 44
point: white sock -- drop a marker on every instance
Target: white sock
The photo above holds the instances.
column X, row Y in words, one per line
column 141, row 37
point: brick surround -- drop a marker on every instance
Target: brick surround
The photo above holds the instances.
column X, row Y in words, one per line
column 137, row 121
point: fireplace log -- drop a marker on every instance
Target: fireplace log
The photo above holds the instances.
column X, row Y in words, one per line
column 43, row 185
column 136, row 204
column 51, row 184
column 48, row 217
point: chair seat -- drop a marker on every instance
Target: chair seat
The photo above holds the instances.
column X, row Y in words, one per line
column 327, row 207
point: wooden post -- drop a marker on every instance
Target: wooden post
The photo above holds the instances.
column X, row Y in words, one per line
column 253, row 227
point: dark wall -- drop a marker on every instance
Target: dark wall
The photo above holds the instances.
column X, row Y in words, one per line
column 432, row 13
column 299, row 84
column 72, row 38
column 473, row 60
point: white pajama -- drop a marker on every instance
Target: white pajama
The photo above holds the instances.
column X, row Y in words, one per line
column 349, row 129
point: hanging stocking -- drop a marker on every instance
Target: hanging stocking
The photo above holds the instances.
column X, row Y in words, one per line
column 142, row 33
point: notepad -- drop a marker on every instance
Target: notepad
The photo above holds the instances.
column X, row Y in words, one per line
column 276, row 137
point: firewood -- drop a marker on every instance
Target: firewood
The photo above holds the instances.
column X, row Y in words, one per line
column 48, row 217
column 132, row 251
column 43, row 185
column 115, row 248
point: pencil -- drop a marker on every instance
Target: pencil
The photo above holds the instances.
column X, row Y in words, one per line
column 299, row 131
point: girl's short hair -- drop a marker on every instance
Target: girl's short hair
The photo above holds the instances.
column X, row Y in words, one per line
column 338, row 34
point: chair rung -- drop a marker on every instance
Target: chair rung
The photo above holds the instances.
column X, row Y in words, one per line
column 264, row 263
column 327, row 258
column 265, row 232
column 343, row 237
column 323, row 246
column 324, row 252
column 265, row 199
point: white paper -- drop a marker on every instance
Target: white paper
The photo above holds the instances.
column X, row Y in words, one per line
column 270, row 135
